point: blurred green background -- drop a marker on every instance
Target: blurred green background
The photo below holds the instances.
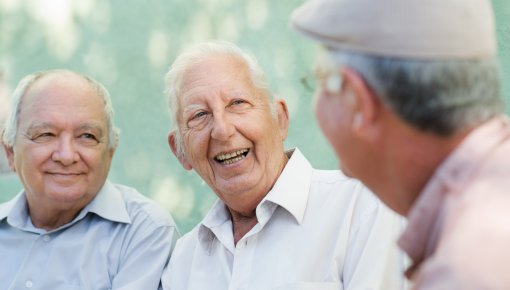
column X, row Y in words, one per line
column 129, row 45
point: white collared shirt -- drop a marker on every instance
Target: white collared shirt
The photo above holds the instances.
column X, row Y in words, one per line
column 316, row 229
column 120, row 240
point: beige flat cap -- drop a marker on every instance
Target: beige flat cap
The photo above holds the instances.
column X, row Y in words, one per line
column 423, row 29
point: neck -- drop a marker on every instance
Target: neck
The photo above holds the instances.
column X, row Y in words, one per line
column 242, row 206
column 50, row 218
column 242, row 223
column 410, row 159
column 50, row 221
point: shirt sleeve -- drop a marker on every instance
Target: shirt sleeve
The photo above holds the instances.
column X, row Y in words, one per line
column 145, row 257
column 373, row 260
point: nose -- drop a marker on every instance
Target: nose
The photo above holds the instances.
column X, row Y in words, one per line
column 223, row 128
column 66, row 152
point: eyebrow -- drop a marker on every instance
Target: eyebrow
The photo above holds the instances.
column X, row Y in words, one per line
column 191, row 107
column 235, row 93
column 84, row 127
column 95, row 127
column 39, row 126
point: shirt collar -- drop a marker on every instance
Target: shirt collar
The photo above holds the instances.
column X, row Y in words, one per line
column 292, row 186
column 425, row 217
column 5, row 208
column 215, row 218
column 108, row 204
column 290, row 192
column 15, row 210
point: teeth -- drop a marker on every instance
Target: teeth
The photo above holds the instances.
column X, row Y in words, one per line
column 230, row 161
column 231, row 157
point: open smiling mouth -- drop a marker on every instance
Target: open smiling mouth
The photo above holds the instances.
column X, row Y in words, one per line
column 231, row 157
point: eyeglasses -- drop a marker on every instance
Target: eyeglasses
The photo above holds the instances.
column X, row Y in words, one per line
column 330, row 79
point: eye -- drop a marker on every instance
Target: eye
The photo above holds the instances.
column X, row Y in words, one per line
column 46, row 134
column 237, row 102
column 88, row 139
column 88, row 136
column 239, row 105
column 199, row 115
column 197, row 119
column 42, row 137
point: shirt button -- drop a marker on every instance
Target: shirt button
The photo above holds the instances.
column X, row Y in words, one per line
column 46, row 238
column 29, row 284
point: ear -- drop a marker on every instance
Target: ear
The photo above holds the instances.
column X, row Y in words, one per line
column 365, row 104
column 283, row 118
column 173, row 145
column 9, row 152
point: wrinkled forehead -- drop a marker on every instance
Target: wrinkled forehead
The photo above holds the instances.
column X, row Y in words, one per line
column 227, row 74
column 215, row 70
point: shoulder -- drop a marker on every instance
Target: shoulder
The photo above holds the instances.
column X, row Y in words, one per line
column 191, row 238
column 186, row 246
column 480, row 210
column 347, row 199
column 178, row 270
column 476, row 220
column 335, row 179
column 336, row 185
column 476, row 229
column 141, row 208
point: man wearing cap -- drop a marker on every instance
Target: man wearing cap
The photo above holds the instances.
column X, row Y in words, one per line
column 410, row 101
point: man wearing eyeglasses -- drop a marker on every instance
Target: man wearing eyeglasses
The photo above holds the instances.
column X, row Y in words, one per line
column 413, row 88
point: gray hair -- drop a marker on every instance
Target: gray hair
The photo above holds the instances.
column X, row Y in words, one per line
column 438, row 96
column 197, row 54
column 11, row 123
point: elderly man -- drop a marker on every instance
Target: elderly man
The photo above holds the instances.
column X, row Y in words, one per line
column 70, row 228
column 410, row 101
column 278, row 223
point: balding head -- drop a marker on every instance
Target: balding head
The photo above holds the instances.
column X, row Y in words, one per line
column 11, row 123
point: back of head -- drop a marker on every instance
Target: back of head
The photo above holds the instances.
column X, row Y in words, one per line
column 11, row 123
column 432, row 62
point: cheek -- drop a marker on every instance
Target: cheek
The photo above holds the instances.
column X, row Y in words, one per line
column 195, row 145
column 325, row 113
column 321, row 102
column 31, row 156
column 106, row 159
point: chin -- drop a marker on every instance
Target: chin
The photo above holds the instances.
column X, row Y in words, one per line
column 69, row 197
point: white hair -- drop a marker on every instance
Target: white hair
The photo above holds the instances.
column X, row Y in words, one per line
column 11, row 123
column 197, row 54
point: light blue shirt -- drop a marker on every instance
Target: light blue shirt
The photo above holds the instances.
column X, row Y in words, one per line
column 120, row 240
